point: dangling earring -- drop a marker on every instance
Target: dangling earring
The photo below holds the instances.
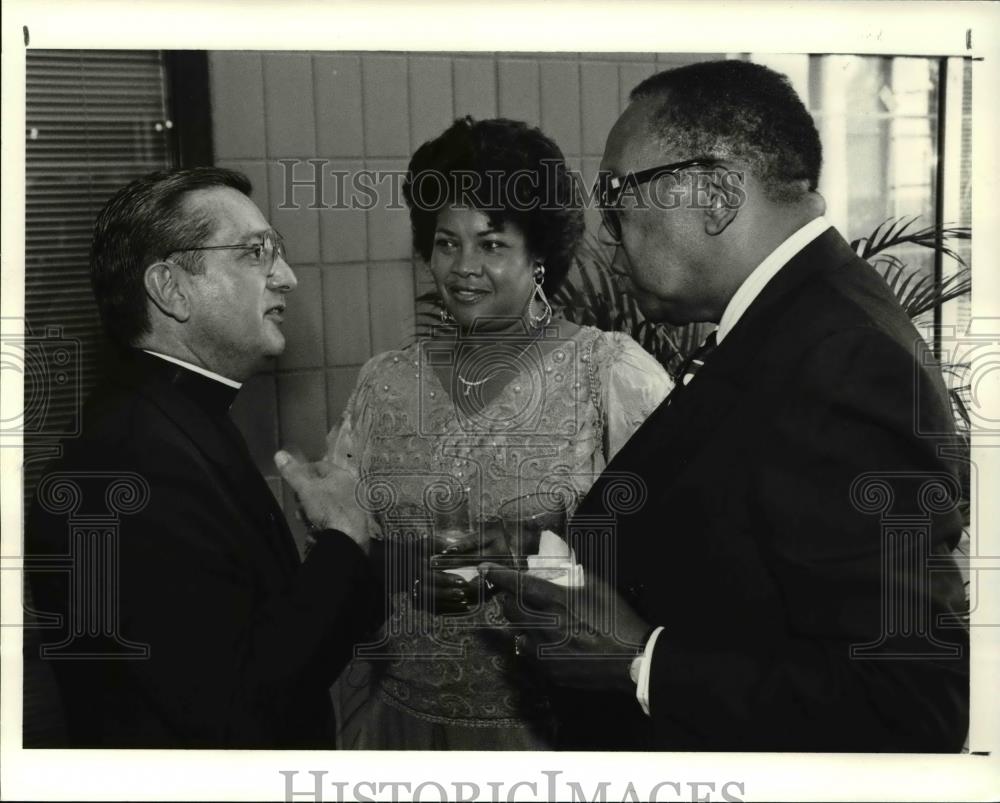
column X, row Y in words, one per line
column 542, row 319
column 446, row 316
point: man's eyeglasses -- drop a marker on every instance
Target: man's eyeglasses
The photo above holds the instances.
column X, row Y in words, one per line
column 263, row 253
column 611, row 188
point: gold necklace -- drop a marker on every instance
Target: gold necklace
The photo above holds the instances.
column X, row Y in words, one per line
column 468, row 385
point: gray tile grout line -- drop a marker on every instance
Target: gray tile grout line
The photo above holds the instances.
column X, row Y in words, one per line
column 270, row 212
column 364, row 149
column 319, row 237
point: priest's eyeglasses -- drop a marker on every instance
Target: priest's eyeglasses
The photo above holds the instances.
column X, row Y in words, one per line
column 262, row 254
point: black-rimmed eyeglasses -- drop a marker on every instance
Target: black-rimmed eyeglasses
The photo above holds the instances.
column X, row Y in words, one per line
column 264, row 253
column 611, row 188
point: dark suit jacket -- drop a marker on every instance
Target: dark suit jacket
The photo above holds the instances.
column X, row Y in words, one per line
column 764, row 566
column 243, row 639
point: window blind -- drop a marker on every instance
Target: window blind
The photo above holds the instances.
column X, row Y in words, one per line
column 95, row 120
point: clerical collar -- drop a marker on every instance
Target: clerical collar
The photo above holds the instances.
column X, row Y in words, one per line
column 211, row 391
column 197, row 369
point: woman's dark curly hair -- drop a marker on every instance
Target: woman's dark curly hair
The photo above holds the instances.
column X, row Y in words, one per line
column 511, row 172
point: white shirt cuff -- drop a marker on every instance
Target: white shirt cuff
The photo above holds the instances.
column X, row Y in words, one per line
column 642, row 680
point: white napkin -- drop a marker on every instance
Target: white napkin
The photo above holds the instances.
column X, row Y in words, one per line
column 556, row 562
column 467, row 573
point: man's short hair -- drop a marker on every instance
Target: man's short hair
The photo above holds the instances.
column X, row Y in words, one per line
column 142, row 223
column 740, row 111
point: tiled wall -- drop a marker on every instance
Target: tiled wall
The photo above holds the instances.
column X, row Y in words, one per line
column 357, row 273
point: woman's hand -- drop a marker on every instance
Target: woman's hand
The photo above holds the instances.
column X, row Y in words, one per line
column 442, row 593
column 447, row 592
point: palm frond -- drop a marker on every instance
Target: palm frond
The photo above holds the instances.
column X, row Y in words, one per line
column 960, row 390
column 960, row 402
column 894, row 232
column 917, row 292
column 890, row 262
column 885, row 235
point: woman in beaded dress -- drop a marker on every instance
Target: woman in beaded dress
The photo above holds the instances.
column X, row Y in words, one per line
column 504, row 399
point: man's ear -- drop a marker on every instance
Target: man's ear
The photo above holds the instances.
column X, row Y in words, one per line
column 721, row 197
column 166, row 287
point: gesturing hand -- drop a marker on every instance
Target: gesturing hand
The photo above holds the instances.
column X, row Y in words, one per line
column 326, row 493
column 596, row 636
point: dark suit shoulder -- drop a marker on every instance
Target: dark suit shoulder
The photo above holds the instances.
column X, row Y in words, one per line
column 853, row 295
column 121, row 423
column 844, row 304
column 124, row 433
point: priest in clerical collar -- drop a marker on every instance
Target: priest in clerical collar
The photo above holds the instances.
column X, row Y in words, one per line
column 212, row 632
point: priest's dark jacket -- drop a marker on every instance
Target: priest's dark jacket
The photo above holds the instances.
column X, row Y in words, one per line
column 788, row 518
column 186, row 618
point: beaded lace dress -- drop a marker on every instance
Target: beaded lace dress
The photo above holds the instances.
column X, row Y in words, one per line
column 562, row 416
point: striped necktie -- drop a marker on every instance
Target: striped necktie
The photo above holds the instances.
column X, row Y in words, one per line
column 697, row 360
column 693, row 364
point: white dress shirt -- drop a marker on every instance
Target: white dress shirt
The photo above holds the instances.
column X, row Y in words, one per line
column 197, row 369
column 738, row 304
column 764, row 272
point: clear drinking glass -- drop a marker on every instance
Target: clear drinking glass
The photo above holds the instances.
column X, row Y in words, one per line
column 525, row 518
column 463, row 539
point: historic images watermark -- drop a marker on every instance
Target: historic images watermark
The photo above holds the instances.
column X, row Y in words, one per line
column 542, row 363
column 972, row 358
column 313, row 785
column 907, row 504
column 49, row 366
column 92, row 504
column 318, row 184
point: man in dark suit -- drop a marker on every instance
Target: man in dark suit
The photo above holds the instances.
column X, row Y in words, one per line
column 188, row 619
column 781, row 574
